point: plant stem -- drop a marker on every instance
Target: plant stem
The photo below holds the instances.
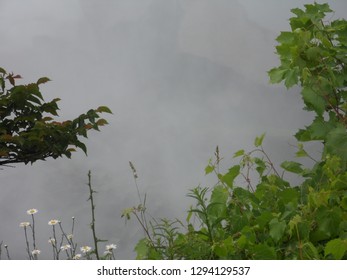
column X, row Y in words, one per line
column 7, row 252
column 27, row 243
column 91, row 191
column 33, row 231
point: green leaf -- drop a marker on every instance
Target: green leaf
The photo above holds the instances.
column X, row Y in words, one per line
column 189, row 216
column 310, row 252
column 259, row 140
column 328, row 220
column 297, row 12
column 225, row 248
column 263, row 252
column 336, row 247
column 301, row 152
column 276, row 75
column 101, row 122
column 313, row 100
column 42, row 80
column 324, row 8
column 291, row 77
column 318, row 130
column 229, row 177
column 2, row 71
column 261, row 166
column 292, row 166
column 81, row 146
column 103, row 109
column 239, row 153
column 336, row 142
column 303, row 135
column 264, row 218
column 313, row 53
column 286, row 37
column 289, row 195
column 219, row 195
column 277, row 229
column 242, row 242
column 208, row 169
column 142, row 249
column 344, row 203
column 217, row 205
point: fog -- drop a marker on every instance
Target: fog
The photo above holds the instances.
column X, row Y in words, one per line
column 181, row 77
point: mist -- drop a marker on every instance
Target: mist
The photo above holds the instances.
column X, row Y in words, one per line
column 181, row 77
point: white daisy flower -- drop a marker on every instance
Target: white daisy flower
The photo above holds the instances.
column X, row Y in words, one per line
column 24, row 224
column 51, row 241
column 77, row 257
column 53, row 222
column 35, row 252
column 111, row 247
column 65, row 247
column 32, row 211
column 70, row 236
column 85, row 249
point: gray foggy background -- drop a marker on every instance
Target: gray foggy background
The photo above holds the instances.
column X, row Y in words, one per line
column 181, row 77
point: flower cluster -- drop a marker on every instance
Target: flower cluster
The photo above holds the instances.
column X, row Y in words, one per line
column 58, row 246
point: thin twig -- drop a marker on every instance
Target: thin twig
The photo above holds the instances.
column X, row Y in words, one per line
column 96, row 240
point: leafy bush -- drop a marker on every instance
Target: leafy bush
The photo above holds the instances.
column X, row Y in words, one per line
column 274, row 219
column 28, row 131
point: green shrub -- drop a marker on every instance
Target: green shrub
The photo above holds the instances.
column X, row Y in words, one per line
column 273, row 219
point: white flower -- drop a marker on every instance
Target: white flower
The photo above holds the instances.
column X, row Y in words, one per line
column 106, row 253
column 111, row 247
column 32, row 211
column 85, row 249
column 35, row 252
column 24, row 224
column 65, row 247
column 51, row 241
column 53, row 222
column 77, row 257
column 70, row 236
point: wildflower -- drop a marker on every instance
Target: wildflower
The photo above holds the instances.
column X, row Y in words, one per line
column 51, row 241
column 35, row 252
column 53, row 222
column 24, row 224
column 85, row 249
column 77, row 257
column 32, row 211
column 111, row 247
column 70, row 236
column 65, row 247
column 107, row 253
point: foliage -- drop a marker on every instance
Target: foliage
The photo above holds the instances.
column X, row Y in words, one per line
column 314, row 55
column 273, row 219
column 28, row 131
